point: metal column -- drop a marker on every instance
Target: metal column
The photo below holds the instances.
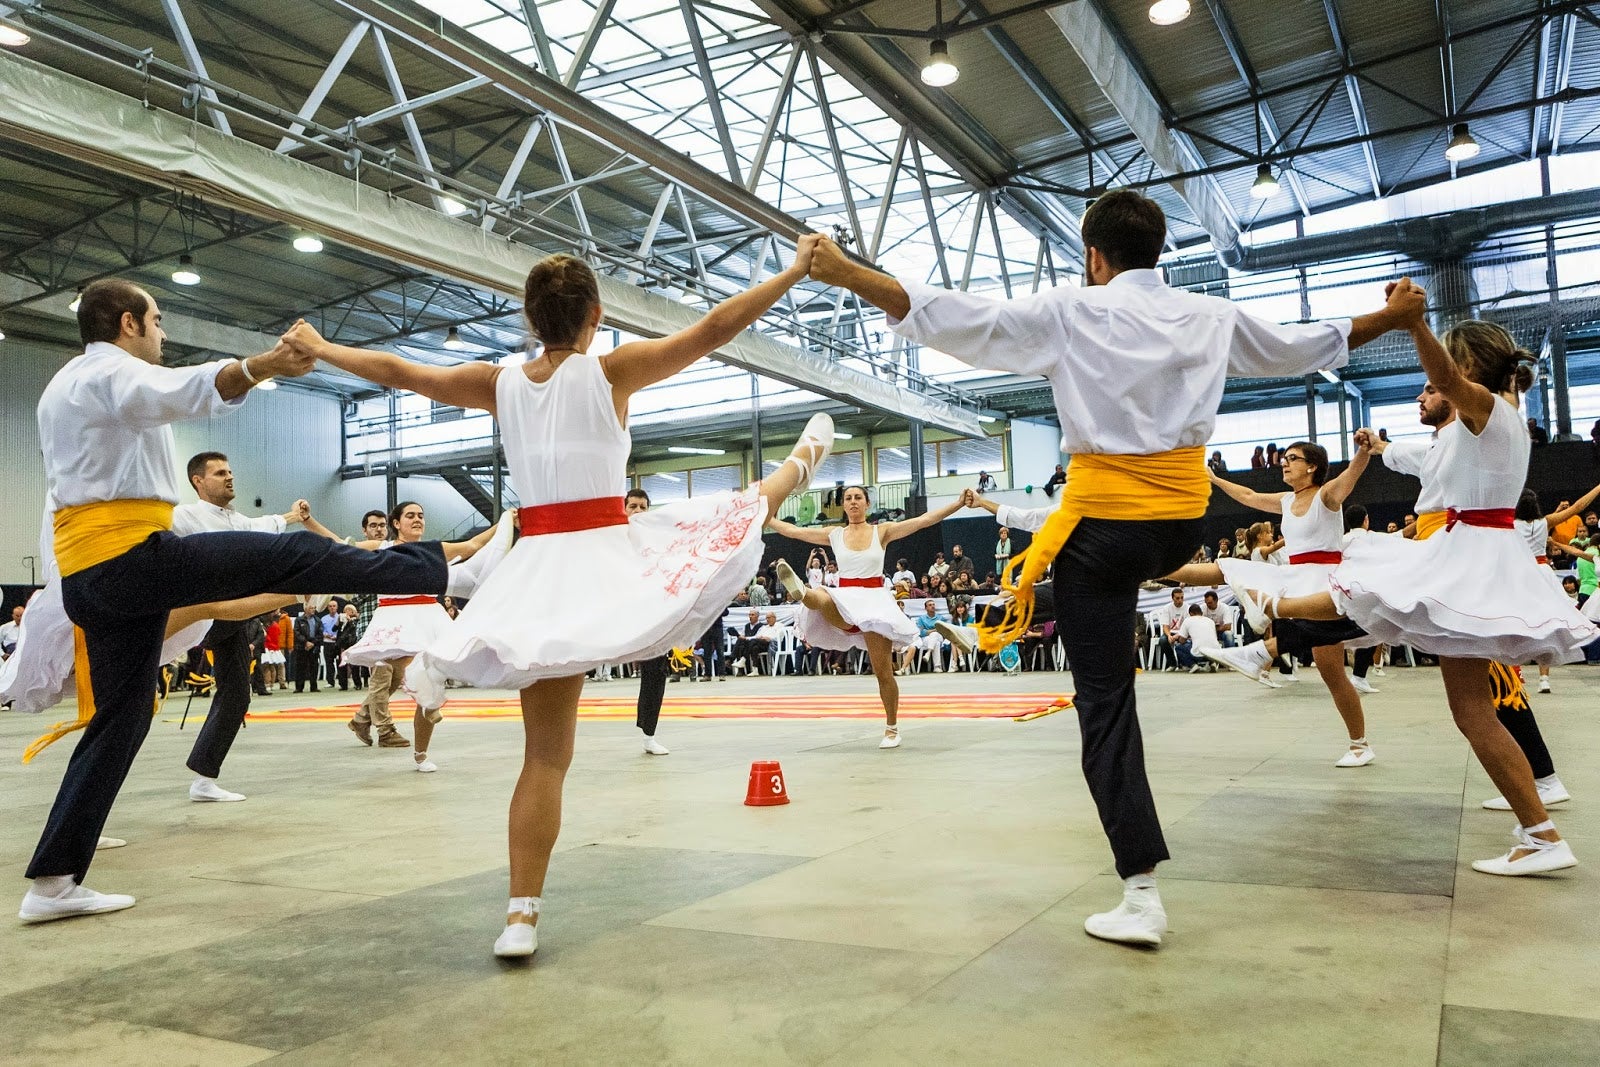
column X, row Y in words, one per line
column 1558, row 336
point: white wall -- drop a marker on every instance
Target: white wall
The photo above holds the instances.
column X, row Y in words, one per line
column 1035, row 451
column 282, row 444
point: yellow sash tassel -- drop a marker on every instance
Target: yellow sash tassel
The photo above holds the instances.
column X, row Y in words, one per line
column 80, row 669
column 87, row 535
column 1166, row 485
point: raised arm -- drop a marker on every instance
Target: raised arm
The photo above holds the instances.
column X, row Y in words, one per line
column 811, row 535
column 1337, row 490
column 1473, row 403
column 1268, row 502
column 1556, row 518
column 637, row 364
column 1574, row 550
column 465, row 385
column 459, row 550
column 893, row 531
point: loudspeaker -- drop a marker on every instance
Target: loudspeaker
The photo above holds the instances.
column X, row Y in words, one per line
column 916, row 504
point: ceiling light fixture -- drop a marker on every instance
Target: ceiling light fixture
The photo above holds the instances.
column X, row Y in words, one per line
column 938, row 71
column 186, row 274
column 837, row 436
column 453, row 341
column 1266, row 185
column 452, row 206
column 687, row 450
column 668, row 477
column 986, row 418
column 2, row 335
column 307, row 243
column 902, row 453
column 11, row 37
column 269, row 384
column 77, row 301
column 1169, row 12
column 1462, row 146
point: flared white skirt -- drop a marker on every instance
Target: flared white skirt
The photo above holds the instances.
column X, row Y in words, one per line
column 867, row 610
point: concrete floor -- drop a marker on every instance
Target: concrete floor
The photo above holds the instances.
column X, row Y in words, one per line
column 916, row 906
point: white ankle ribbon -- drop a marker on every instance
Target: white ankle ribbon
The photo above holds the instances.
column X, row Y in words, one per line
column 523, row 906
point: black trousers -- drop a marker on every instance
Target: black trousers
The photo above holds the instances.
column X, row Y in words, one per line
column 307, row 665
column 230, row 668
column 122, row 605
column 652, row 687
column 330, row 662
column 1097, row 578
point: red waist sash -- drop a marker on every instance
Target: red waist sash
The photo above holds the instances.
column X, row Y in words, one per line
column 572, row 516
column 405, row 601
column 861, row 583
column 1317, row 557
column 1488, row 518
column 1541, row 559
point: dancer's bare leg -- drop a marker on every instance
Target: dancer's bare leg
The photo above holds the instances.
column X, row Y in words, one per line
column 549, row 724
column 424, row 727
column 227, row 610
column 1198, row 574
column 880, row 651
column 1330, row 664
column 820, row 600
column 1466, row 686
column 1315, row 606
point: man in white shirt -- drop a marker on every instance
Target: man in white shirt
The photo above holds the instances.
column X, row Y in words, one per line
column 902, row 573
column 1137, row 369
column 211, row 476
column 110, row 465
column 1194, row 633
column 8, row 633
column 1220, row 617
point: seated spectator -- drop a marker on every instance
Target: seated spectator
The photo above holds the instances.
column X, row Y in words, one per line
column 959, row 562
column 902, row 590
column 1224, row 549
column 1195, row 634
column 902, row 573
column 1216, row 463
column 1393, row 527
column 1202, row 554
column 1274, row 458
column 1383, row 435
column 830, row 575
column 759, row 597
column 928, row 638
column 1170, row 617
column 749, row 644
column 1241, row 545
column 990, row 586
column 961, row 619
column 1258, row 460
column 940, row 568
column 1536, row 432
column 986, row 482
column 1218, row 613
column 1059, row 478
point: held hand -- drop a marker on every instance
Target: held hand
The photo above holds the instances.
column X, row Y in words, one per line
column 1407, row 303
column 804, row 250
column 303, row 337
column 284, row 361
column 301, row 511
column 829, row 264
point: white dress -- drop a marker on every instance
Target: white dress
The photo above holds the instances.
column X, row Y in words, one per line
column 1536, row 532
column 1469, row 591
column 562, row 604
column 402, row 626
column 1320, row 529
column 867, row 608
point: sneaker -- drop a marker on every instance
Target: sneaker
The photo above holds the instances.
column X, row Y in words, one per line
column 1550, row 793
column 655, row 748
column 1129, row 924
column 1357, row 756
column 1361, row 684
column 389, row 737
column 79, row 900
column 957, row 638
column 1248, row 661
column 109, row 842
column 206, row 790
column 425, row 765
column 891, row 738
column 1544, row 685
column 793, row 587
column 1196, row 669
column 362, row 730
column 517, row 939
column 1545, row 856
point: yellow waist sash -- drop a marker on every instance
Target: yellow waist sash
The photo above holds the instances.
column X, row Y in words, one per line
column 89, row 534
column 85, row 535
column 1430, row 523
column 1166, row 485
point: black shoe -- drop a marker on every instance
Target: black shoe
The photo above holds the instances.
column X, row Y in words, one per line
column 314, row 689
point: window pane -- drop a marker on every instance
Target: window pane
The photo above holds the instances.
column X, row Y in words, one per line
column 894, row 465
column 665, row 487
column 970, row 457
column 840, row 467
column 707, row 480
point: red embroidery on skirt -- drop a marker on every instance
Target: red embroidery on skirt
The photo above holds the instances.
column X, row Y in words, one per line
column 702, row 545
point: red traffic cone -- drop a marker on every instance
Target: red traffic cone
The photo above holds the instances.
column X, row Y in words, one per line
column 766, row 785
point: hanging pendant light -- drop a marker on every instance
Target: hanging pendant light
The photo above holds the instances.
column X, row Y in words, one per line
column 1266, row 185
column 938, row 71
column 1169, row 12
column 186, row 274
column 1463, row 146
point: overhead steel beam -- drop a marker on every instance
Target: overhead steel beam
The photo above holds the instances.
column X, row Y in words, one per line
column 1114, row 70
column 691, row 25
column 195, row 61
column 597, row 25
column 1569, row 36
column 80, row 120
column 639, row 71
column 1247, row 74
column 330, row 74
column 1352, row 90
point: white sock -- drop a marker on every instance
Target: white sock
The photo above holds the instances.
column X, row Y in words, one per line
column 199, row 778
column 1141, row 882
column 54, row 885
